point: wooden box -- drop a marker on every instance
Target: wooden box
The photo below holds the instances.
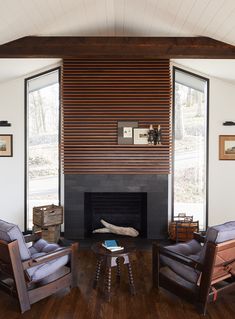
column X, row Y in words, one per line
column 49, row 215
column 50, row 233
column 182, row 230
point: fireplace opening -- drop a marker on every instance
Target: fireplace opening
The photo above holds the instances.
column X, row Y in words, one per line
column 121, row 209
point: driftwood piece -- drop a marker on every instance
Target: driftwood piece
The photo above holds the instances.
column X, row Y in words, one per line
column 110, row 228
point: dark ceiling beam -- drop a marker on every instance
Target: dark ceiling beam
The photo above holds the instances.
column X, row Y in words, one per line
column 117, row 47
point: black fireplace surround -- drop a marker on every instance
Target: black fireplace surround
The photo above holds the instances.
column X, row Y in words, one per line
column 79, row 189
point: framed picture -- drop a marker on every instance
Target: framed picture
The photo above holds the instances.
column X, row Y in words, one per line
column 125, row 132
column 227, row 147
column 6, row 145
column 141, row 135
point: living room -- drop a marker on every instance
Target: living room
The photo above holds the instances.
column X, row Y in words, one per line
column 97, row 97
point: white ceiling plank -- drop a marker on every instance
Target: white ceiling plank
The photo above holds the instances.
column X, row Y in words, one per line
column 213, row 18
column 136, row 17
column 110, row 22
column 181, row 17
column 194, row 14
column 219, row 21
column 208, row 15
column 173, row 14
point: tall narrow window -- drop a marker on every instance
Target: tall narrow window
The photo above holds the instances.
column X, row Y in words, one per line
column 42, row 142
column 190, row 146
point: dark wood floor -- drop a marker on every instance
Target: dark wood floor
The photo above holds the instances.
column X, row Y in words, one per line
column 85, row 303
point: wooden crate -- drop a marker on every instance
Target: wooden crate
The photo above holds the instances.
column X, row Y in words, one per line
column 49, row 215
column 50, row 233
column 182, row 230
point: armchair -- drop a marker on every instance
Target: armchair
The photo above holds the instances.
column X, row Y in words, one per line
column 196, row 272
column 34, row 273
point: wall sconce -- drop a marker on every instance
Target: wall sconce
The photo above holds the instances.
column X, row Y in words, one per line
column 5, row 123
column 229, row 123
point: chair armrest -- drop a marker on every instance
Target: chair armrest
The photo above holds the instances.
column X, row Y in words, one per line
column 48, row 257
column 199, row 237
column 33, row 237
column 180, row 258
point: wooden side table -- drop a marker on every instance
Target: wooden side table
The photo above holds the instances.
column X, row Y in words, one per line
column 112, row 259
column 183, row 230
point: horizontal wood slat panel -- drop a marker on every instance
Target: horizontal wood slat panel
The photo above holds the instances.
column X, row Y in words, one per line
column 96, row 94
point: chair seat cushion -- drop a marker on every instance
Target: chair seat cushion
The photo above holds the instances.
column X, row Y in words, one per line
column 189, row 249
column 42, row 248
column 10, row 232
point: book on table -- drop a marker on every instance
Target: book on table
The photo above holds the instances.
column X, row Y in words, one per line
column 112, row 245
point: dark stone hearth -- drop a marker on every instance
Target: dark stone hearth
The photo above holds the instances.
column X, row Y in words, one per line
column 156, row 187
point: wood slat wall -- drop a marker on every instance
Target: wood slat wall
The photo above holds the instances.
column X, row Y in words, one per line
column 96, row 94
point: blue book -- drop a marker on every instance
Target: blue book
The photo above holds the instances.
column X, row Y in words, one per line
column 111, row 243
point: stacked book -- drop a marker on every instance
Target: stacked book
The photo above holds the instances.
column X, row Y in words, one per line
column 112, row 245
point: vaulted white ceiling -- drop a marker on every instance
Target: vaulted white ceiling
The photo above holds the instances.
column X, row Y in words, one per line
column 212, row 18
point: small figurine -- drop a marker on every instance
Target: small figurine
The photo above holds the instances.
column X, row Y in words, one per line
column 158, row 135
column 151, row 135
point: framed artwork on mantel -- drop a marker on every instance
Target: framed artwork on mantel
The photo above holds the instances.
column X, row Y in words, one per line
column 141, row 135
column 6, row 145
column 227, row 147
column 125, row 132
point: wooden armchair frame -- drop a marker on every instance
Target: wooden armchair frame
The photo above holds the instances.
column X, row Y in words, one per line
column 11, row 266
column 208, row 287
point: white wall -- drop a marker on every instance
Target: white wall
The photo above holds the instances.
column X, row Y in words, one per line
column 12, row 168
column 221, row 173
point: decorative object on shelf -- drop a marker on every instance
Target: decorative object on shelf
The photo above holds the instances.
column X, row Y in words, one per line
column 5, row 123
column 229, row 123
column 48, row 219
column 125, row 132
column 6, row 147
column 227, row 147
column 141, row 135
column 158, row 135
column 110, row 228
column 182, row 228
column 151, row 135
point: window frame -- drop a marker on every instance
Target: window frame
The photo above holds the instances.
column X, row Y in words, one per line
column 26, row 230
column 174, row 69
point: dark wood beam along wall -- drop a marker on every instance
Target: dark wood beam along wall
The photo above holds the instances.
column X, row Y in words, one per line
column 96, row 94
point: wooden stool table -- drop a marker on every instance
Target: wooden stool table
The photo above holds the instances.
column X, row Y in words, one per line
column 112, row 259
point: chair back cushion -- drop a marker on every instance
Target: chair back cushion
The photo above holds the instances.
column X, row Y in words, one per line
column 10, row 232
column 220, row 233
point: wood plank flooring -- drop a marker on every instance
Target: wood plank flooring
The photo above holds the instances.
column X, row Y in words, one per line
column 86, row 303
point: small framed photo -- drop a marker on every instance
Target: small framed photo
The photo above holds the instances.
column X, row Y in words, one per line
column 6, row 145
column 125, row 132
column 141, row 135
column 227, row 147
